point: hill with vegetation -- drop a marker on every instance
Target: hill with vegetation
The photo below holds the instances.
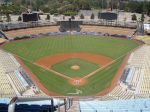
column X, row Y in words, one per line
column 71, row 7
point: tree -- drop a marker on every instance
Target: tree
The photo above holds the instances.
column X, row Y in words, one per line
column 138, row 7
column 63, row 17
column 99, row 15
column 72, row 17
column 134, row 18
column 92, row 16
column 39, row 17
column 142, row 17
column 81, row 16
column 70, row 13
column 48, row 17
column 45, row 9
column 6, row 10
column 19, row 18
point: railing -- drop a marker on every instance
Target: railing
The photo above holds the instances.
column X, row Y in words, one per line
column 77, row 98
column 54, row 104
column 110, row 23
column 42, row 35
column 20, row 25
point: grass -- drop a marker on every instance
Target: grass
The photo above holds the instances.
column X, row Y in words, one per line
column 32, row 50
column 95, row 83
column 85, row 67
column 51, row 81
column 37, row 48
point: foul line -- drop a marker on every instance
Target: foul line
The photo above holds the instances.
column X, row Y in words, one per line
column 103, row 67
column 67, row 77
column 45, row 68
column 53, row 71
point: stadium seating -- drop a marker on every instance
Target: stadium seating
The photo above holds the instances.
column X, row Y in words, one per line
column 141, row 77
column 4, row 104
column 18, row 25
column 133, row 105
column 11, row 80
column 3, row 107
column 34, row 104
column 135, row 81
column 27, row 108
column 16, row 81
column 6, row 90
column 33, row 108
column 120, row 92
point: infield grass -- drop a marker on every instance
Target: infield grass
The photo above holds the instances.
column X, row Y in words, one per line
column 64, row 67
column 96, row 83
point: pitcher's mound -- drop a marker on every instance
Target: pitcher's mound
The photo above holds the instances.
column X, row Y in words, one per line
column 75, row 67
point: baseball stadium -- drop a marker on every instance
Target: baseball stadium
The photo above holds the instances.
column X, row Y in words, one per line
column 77, row 56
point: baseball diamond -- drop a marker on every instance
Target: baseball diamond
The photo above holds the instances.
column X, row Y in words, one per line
column 62, row 64
column 74, row 55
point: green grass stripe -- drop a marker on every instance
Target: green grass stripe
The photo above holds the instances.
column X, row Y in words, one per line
column 86, row 67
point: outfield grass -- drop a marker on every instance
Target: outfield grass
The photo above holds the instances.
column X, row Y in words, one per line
column 36, row 48
column 32, row 50
column 85, row 67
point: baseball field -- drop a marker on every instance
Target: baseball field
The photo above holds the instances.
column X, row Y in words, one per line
column 73, row 64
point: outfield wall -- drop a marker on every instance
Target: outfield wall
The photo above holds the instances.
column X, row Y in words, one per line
column 84, row 28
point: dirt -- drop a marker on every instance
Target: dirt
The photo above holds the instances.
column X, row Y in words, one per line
column 35, row 79
column 85, row 28
column 116, row 78
column 99, row 59
column 78, row 81
column 75, row 67
column 49, row 61
column 28, row 31
column 105, row 29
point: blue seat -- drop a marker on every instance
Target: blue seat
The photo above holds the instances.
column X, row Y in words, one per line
column 133, row 105
column 3, row 110
column 3, row 107
column 32, row 108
